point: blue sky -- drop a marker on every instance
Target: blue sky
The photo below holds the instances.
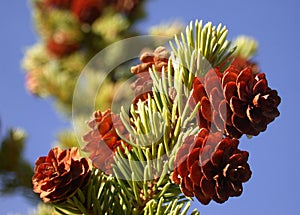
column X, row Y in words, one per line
column 273, row 188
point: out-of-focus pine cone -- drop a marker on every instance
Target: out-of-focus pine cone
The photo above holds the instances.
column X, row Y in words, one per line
column 60, row 174
column 87, row 11
column 61, row 4
column 125, row 6
column 236, row 102
column 143, row 85
column 211, row 167
column 103, row 140
column 60, row 48
column 32, row 81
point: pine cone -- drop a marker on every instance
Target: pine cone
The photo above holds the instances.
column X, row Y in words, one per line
column 61, row 4
column 125, row 6
column 242, row 63
column 60, row 174
column 61, row 48
column 87, row 11
column 159, row 58
column 103, row 140
column 143, row 85
column 211, row 167
column 236, row 102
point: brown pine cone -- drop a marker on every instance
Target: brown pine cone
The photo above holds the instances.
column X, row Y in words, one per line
column 241, row 63
column 205, row 90
column 236, row 102
column 159, row 58
column 103, row 140
column 61, row 48
column 125, row 6
column 143, row 85
column 61, row 4
column 87, row 11
column 211, row 167
column 60, row 174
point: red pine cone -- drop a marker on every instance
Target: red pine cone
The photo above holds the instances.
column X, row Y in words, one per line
column 60, row 174
column 103, row 140
column 143, row 85
column 211, row 167
column 236, row 102
column 61, row 48
column 125, row 6
column 62, row 4
column 87, row 11
column 159, row 58
column 241, row 63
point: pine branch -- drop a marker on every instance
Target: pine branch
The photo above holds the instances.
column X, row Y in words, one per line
column 15, row 170
column 162, row 207
column 200, row 44
column 157, row 128
column 102, row 195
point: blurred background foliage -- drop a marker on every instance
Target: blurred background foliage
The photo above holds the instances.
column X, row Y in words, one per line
column 69, row 35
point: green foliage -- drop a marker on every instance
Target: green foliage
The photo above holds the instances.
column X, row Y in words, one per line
column 200, row 43
column 12, row 146
column 110, row 26
column 43, row 209
column 246, row 47
column 174, row 207
column 167, row 29
column 102, row 195
column 49, row 76
column 157, row 128
column 15, row 171
column 55, row 21
column 67, row 139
